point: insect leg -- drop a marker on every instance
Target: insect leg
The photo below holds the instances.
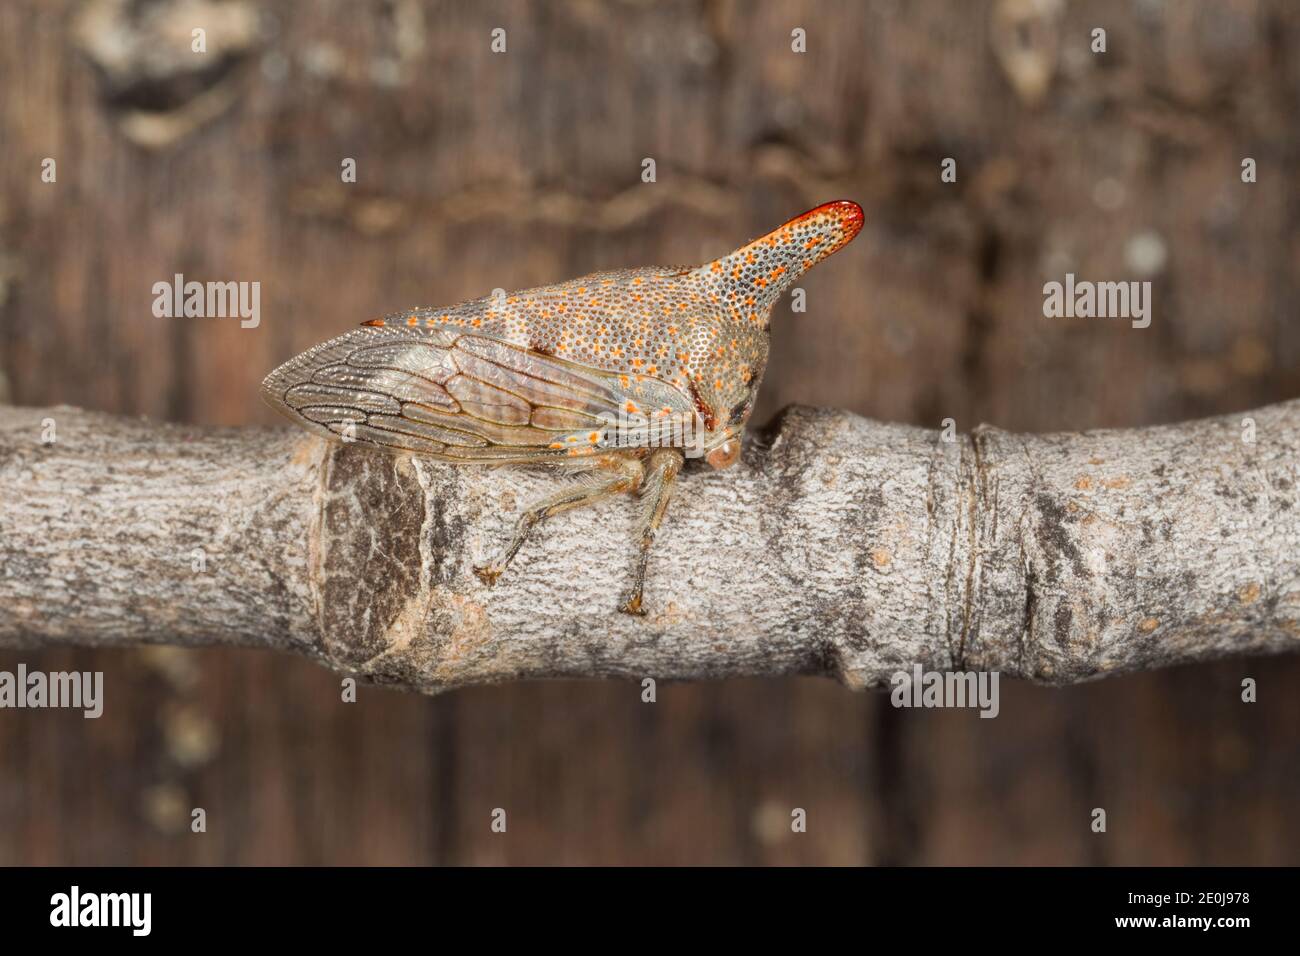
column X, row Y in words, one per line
column 661, row 470
column 627, row 477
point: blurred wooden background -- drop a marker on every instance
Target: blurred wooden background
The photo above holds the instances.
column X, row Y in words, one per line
column 479, row 169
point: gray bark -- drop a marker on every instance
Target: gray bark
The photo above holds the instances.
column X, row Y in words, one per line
column 839, row 546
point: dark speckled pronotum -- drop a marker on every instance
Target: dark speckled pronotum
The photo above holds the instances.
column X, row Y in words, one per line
column 619, row 376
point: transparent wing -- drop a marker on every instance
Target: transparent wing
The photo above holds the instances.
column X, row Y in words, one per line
column 466, row 397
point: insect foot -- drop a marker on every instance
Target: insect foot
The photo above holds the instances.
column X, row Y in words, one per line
column 488, row 573
column 633, row 606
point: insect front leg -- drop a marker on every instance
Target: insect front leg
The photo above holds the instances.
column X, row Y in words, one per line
column 661, row 470
column 593, row 487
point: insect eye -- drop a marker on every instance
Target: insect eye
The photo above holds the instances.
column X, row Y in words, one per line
column 738, row 414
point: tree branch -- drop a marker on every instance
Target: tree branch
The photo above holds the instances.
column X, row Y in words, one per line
column 840, row 546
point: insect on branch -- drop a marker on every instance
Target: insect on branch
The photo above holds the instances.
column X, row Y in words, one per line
column 836, row 546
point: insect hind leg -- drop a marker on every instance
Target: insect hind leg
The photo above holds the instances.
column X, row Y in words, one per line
column 590, row 489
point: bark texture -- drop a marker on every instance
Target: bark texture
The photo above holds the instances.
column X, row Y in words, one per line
column 839, row 546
